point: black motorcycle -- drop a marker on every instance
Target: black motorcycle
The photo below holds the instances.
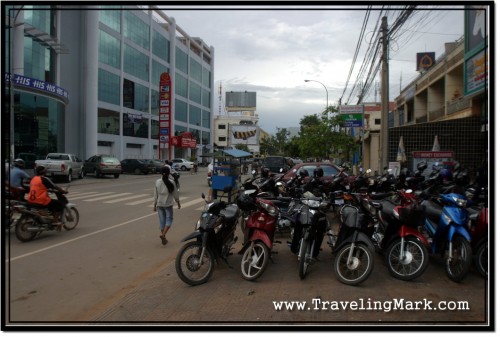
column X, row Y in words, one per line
column 211, row 241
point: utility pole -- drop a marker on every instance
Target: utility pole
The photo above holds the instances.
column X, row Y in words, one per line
column 384, row 98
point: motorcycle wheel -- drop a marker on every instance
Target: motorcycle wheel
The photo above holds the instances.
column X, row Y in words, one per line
column 481, row 259
column 22, row 234
column 254, row 261
column 305, row 256
column 186, row 264
column 358, row 269
column 414, row 262
column 72, row 218
column 458, row 265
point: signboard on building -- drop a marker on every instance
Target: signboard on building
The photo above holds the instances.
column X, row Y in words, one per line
column 244, row 134
column 352, row 115
column 425, row 60
column 165, row 113
column 238, row 101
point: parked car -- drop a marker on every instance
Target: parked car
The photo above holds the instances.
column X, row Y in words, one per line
column 182, row 164
column 158, row 164
column 64, row 165
column 329, row 171
column 101, row 165
column 276, row 164
column 137, row 166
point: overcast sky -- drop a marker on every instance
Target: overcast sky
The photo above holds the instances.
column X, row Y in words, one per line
column 272, row 51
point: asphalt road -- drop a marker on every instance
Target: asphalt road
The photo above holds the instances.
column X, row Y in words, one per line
column 113, row 270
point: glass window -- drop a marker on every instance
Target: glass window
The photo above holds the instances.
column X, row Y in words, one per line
column 37, row 60
column 109, row 87
column 136, row 30
column 179, row 129
column 108, row 121
column 205, row 98
column 155, row 102
column 195, row 70
column 181, row 85
column 205, row 137
column 194, row 115
column 154, row 129
column 135, row 96
column 181, row 112
column 205, row 119
column 158, row 69
column 181, row 60
column 109, row 50
column 207, row 78
column 39, row 17
column 195, row 92
column 136, row 63
column 135, row 125
column 111, row 17
column 161, row 46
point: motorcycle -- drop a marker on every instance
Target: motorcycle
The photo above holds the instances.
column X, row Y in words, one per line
column 397, row 235
column 446, row 218
column 212, row 240
column 32, row 220
column 258, row 234
column 352, row 247
column 309, row 227
column 478, row 229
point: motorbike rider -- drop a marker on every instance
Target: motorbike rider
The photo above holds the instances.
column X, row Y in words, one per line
column 16, row 177
column 38, row 194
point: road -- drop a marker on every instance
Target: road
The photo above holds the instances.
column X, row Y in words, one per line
column 60, row 276
column 113, row 268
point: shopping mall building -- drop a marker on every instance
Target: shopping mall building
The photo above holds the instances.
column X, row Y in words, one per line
column 86, row 81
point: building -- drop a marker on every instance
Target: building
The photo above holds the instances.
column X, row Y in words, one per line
column 436, row 105
column 87, row 81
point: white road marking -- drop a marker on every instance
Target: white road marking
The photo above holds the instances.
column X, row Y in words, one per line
column 90, row 195
column 108, row 196
column 126, row 198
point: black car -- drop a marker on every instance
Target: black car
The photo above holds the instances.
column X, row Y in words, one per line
column 137, row 166
column 276, row 164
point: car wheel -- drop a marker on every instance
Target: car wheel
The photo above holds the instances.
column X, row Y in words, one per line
column 183, row 168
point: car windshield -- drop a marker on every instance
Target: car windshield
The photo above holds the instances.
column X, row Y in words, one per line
column 274, row 161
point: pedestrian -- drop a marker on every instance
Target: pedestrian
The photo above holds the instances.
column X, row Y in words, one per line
column 164, row 196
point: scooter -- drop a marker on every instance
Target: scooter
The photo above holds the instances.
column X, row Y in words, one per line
column 446, row 218
column 31, row 219
column 258, row 235
column 212, row 240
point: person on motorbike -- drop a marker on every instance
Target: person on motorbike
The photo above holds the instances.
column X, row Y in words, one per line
column 38, row 194
column 17, row 175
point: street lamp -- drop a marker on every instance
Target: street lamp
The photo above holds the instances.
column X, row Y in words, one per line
column 325, row 90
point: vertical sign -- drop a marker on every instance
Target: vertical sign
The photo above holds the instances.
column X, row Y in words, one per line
column 352, row 115
column 165, row 120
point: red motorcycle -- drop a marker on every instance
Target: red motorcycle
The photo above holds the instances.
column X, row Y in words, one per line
column 258, row 234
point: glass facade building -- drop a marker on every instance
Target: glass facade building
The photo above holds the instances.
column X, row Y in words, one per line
column 110, row 67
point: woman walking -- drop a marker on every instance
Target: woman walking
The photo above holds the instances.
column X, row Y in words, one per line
column 164, row 196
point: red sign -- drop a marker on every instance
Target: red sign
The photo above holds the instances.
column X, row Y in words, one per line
column 185, row 140
column 164, row 133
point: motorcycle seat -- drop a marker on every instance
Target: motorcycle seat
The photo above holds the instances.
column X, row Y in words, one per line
column 231, row 212
column 380, row 196
column 432, row 210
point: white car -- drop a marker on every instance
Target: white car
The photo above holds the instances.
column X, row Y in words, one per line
column 182, row 164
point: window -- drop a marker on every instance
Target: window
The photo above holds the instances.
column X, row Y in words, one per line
column 136, row 63
column 195, row 92
column 205, row 119
column 194, row 115
column 109, row 87
column 109, row 50
column 181, row 60
column 222, row 126
column 195, row 70
column 377, row 121
column 158, row 69
column 181, row 85
column 161, row 46
column 205, row 98
column 135, row 96
column 108, row 122
column 207, row 78
column 136, row 30
column 110, row 17
column 154, row 129
column 181, row 111
column 222, row 139
column 155, row 99
column 135, row 126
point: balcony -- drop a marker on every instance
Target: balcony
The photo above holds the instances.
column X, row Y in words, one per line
column 458, row 104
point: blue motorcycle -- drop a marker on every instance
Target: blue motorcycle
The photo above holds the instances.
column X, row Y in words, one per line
column 446, row 219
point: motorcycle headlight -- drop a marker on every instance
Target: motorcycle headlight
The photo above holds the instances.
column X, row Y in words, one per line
column 460, row 202
column 202, row 221
column 273, row 211
column 446, row 219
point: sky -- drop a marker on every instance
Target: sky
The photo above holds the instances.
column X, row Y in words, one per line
column 272, row 50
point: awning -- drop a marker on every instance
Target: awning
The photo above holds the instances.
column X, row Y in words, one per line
column 237, row 153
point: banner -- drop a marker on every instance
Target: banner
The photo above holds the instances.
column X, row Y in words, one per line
column 244, row 134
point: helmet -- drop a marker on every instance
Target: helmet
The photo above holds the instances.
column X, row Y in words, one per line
column 318, row 172
column 303, row 173
column 265, row 172
column 421, row 166
column 18, row 162
column 245, row 202
column 40, row 170
column 446, row 176
column 280, row 186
